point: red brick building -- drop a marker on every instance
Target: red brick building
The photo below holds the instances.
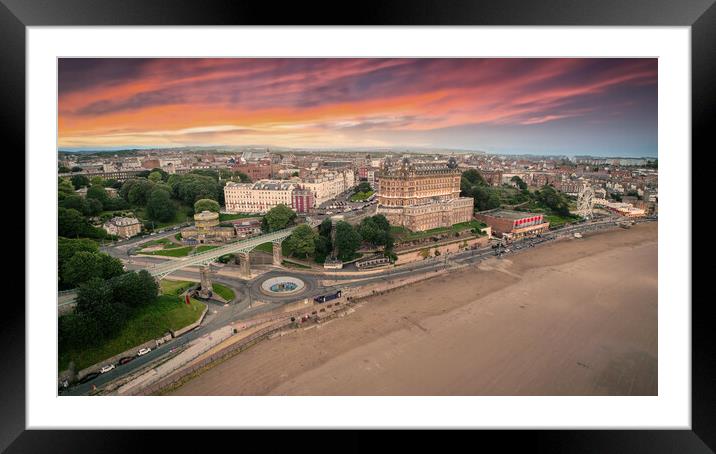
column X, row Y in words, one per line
column 262, row 171
column 513, row 224
column 302, row 200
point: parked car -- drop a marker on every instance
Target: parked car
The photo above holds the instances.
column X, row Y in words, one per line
column 88, row 377
column 106, row 368
column 125, row 360
column 144, row 351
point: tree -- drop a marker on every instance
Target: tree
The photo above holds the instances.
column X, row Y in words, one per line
column 84, row 266
column 97, row 192
column 97, row 181
column 348, row 241
column 67, row 247
column 160, row 207
column 76, row 169
column 155, row 177
column 206, row 205
column 96, row 300
column 74, row 202
column 364, row 186
column 473, row 177
column 519, row 182
column 80, row 181
column 134, row 289
column 93, row 207
column 63, row 169
column 278, row 218
column 302, row 241
column 324, row 229
column 71, row 224
column 323, row 248
column 192, row 187
column 140, row 192
column 65, row 187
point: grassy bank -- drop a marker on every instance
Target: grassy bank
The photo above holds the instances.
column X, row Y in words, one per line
column 224, row 291
column 171, row 252
column 168, row 312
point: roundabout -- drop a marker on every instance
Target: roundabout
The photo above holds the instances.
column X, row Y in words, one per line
column 282, row 285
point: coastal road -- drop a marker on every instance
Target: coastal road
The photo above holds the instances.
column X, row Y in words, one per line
column 242, row 309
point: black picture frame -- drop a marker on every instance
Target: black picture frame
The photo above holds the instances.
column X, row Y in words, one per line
column 700, row 15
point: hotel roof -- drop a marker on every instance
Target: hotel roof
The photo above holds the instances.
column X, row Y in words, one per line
column 509, row 214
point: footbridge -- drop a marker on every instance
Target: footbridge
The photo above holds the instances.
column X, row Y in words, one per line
column 241, row 248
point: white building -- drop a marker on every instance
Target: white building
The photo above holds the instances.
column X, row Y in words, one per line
column 257, row 197
column 329, row 185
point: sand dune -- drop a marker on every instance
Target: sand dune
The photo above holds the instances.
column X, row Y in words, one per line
column 577, row 317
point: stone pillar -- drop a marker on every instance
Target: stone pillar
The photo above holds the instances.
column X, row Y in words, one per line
column 277, row 257
column 244, row 265
column 206, row 290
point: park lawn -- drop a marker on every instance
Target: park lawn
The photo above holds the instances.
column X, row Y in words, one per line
column 361, row 196
column 167, row 243
column 230, row 217
column 204, row 248
column 174, row 287
column 150, row 322
column 173, row 252
column 223, row 291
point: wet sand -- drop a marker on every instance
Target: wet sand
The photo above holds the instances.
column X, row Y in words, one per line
column 578, row 317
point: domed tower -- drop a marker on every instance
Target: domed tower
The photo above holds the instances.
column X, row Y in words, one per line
column 452, row 163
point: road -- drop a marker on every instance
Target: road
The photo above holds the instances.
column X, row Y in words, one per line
column 243, row 309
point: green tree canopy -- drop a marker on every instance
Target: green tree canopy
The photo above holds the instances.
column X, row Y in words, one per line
column 348, row 240
column 519, row 182
column 97, row 192
column 95, row 300
column 302, row 241
column 93, row 207
column 71, row 224
column 84, row 265
column 160, row 207
column 364, row 186
column 140, row 192
column 278, row 218
column 80, row 181
column 192, row 187
column 206, row 205
column 155, row 177
column 134, row 289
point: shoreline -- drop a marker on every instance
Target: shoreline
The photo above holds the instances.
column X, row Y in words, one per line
column 475, row 330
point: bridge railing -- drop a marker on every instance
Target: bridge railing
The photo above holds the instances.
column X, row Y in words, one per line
column 211, row 254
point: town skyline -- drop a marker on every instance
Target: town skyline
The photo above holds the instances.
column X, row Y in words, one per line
column 571, row 107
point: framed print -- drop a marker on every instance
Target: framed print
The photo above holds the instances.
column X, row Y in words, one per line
column 422, row 217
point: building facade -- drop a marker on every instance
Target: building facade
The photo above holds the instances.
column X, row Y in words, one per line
column 513, row 224
column 302, row 200
column 423, row 196
column 329, row 185
column 123, row 227
column 206, row 229
column 258, row 197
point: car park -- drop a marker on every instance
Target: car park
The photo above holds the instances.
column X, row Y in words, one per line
column 106, row 368
column 144, row 351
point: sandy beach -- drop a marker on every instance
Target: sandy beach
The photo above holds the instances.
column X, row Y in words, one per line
column 577, row 317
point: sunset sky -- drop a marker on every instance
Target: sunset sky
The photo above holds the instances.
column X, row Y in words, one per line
column 605, row 107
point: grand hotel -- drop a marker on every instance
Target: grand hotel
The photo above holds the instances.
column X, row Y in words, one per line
column 423, row 196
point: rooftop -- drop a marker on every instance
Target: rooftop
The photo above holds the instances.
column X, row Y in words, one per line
column 509, row 214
